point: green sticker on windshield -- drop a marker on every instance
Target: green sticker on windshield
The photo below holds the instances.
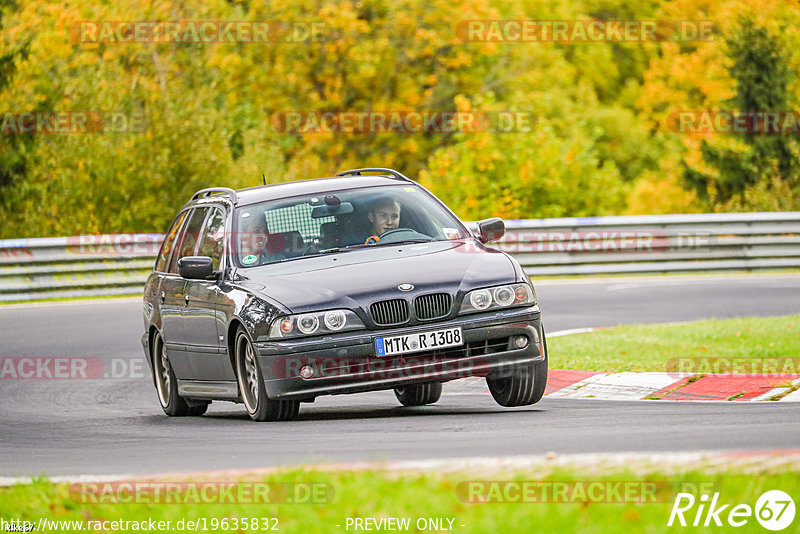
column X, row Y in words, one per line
column 247, row 260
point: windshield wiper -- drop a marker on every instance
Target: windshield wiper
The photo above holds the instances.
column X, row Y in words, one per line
column 348, row 248
column 403, row 242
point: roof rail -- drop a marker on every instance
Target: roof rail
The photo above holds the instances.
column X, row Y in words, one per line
column 211, row 190
column 393, row 173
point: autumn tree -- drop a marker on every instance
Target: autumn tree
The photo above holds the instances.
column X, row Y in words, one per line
column 769, row 161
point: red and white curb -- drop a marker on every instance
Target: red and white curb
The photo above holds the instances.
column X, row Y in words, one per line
column 576, row 384
column 671, row 386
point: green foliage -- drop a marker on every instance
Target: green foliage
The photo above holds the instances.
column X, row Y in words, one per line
column 597, row 146
column 749, row 176
column 515, row 175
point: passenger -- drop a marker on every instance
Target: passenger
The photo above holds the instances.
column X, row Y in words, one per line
column 256, row 245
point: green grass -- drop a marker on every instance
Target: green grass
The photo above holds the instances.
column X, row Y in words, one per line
column 68, row 299
column 651, row 347
column 362, row 494
column 678, row 274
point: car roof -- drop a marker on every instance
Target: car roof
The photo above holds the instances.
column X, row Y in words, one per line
column 313, row 186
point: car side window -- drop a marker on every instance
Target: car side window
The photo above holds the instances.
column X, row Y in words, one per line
column 187, row 241
column 213, row 237
column 169, row 242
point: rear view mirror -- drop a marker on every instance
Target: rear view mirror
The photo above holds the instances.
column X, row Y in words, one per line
column 491, row 229
column 195, row 267
column 343, row 208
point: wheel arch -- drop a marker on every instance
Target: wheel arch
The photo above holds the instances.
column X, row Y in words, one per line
column 151, row 337
column 230, row 339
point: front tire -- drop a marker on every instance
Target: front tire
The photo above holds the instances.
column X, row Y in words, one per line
column 251, row 385
column 524, row 387
column 167, row 385
column 419, row 394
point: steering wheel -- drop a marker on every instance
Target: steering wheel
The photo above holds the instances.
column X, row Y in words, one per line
column 404, row 234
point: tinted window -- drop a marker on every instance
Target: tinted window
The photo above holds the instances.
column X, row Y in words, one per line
column 187, row 241
column 213, row 237
column 278, row 230
column 169, row 242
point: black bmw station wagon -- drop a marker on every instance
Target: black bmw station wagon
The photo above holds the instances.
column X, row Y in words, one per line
column 274, row 295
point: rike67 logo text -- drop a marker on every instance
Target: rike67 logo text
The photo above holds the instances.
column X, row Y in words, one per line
column 774, row 510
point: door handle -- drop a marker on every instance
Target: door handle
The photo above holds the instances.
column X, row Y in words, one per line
column 163, row 296
column 186, row 300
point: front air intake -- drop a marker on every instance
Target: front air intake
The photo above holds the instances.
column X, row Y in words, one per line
column 389, row 312
column 432, row 306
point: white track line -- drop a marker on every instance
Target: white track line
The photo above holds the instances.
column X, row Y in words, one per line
column 569, row 332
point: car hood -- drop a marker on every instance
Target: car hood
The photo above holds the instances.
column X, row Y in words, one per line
column 357, row 278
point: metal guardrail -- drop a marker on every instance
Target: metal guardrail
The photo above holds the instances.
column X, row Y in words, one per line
column 61, row 267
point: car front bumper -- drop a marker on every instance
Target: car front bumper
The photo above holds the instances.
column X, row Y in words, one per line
column 346, row 363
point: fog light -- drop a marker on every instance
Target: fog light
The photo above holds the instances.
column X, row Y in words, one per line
column 306, row 371
column 520, row 342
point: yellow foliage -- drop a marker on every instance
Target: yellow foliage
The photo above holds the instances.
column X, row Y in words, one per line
column 660, row 195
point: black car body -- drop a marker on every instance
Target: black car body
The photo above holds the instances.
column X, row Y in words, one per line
column 271, row 296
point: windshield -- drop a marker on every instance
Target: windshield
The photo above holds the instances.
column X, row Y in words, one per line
column 341, row 221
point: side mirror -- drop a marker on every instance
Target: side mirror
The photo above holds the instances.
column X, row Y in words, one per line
column 195, row 267
column 491, row 229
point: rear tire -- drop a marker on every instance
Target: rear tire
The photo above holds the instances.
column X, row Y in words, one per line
column 251, row 385
column 523, row 388
column 167, row 385
column 419, row 394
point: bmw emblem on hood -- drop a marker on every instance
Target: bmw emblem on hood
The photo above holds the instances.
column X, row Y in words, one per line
column 405, row 287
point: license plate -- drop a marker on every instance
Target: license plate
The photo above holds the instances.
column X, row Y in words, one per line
column 437, row 339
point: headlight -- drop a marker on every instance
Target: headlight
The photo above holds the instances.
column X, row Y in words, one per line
column 335, row 320
column 480, row 299
column 314, row 324
column 498, row 297
column 308, row 324
column 504, row 296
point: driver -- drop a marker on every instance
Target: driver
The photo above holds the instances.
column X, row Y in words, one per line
column 383, row 217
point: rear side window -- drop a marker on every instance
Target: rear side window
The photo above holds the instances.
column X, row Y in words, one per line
column 213, row 237
column 187, row 242
column 169, row 242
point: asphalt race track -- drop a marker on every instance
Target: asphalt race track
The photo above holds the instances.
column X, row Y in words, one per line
column 115, row 426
